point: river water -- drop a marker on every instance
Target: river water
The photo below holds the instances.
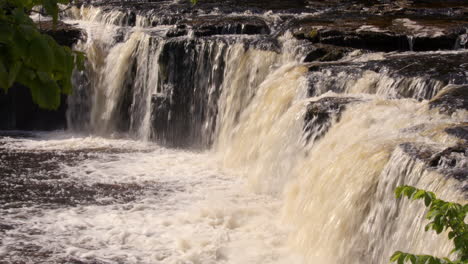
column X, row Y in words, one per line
column 224, row 150
column 186, row 209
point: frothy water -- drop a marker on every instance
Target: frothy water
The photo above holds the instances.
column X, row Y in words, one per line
column 192, row 212
column 287, row 164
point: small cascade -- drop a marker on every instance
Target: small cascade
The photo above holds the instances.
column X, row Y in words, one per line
column 371, row 82
column 382, row 225
column 334, row 186
column 392, row 76
column 96, row 14
column 410, row 42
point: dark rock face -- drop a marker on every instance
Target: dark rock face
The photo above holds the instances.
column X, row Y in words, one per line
column 215, row 25
column 451, row 99
column 320, row 114
column 370, row 38
column 459, row 131
column 322, row 52
column 186, row 118
column 386, row 26
column 451, row 162
column 65, row 34
column 17, row 110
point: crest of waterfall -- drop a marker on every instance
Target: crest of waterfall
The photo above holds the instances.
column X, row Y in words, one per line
column 96, row 14
column 371, row 82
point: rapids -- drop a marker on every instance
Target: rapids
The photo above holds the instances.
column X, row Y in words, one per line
column 232, row 148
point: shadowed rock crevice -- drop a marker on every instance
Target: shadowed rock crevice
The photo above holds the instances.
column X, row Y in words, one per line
column 321, row 114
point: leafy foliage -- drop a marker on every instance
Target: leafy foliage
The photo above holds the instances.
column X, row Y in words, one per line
column 442, row 216
column 33, row 59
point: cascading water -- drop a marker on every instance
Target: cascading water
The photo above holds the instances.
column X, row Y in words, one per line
column 317, row 147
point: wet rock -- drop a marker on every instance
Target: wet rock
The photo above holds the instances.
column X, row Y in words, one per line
column 160, row 117
column 418, row 76
column 449, row 161
column 394, row 31
column 451, row 98
column 321, row 113
column 18, row 111
column 65, row 34
column 264, row 4
column 218, row 25
column 176, row 32
column 459, row 131
column 321, row 52
column 185, row 117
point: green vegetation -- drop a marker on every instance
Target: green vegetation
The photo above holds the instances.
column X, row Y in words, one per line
column 443, row 216
column 33, row 59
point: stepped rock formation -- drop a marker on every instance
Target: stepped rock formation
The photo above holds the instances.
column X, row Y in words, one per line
column 319, row 109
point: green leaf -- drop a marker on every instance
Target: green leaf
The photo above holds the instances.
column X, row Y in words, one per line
column 419, row 194
column 398, row 191
column 45, row 91
column 20, row 49
column 422, row 259
column 28, row 31
column 451, row 234
column 51, row 9
column 41, row 55
column 6, row 33
column 79, row 60
column 395, row 256
column 401, row 259
column 14, row 70
column 409, row 191
column 20, row 17
column 411, row 258
column 427, row 199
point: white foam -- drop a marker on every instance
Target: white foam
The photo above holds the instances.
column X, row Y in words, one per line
column 65, row 141
column 193, row 212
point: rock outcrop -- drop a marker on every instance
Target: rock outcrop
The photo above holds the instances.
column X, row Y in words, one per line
column 452, row 98
column 321, row 114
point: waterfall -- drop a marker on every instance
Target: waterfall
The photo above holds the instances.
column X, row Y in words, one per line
column 330, row 140
column 372, row 82
column 335, row 183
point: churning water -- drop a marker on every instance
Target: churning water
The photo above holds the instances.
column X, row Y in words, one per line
column 259, row 184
